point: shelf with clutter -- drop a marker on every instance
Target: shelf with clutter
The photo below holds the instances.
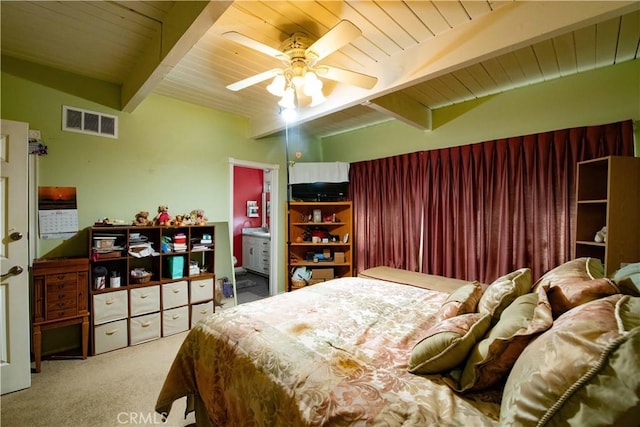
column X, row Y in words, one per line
column 149, row 279
column 319, row 242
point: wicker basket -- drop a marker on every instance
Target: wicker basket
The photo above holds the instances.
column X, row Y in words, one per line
column 137, row 279
column 297, row 284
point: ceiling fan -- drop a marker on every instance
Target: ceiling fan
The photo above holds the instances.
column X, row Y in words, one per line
column 300, row 56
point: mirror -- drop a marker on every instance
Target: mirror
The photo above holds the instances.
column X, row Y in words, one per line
column 224, row 263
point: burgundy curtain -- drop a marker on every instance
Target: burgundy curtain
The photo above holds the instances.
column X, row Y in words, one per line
column 484, row 209
column 387, row 211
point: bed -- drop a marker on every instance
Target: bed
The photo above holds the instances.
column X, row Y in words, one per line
column 335, row 353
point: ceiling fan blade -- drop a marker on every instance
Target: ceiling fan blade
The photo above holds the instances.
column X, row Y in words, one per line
column 346, row 76
column 342, row 33
column 252, row 44
column 250, row 81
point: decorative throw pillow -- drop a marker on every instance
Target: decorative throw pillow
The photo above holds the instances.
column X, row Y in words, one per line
column 492, row 358
column 463, row 300
column 503, row 291
column 577, row 270
column 584, row 370
column 628, row 279
column 447, row 343
column 566, row 295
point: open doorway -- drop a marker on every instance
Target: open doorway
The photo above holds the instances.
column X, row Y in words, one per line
column 254, row 219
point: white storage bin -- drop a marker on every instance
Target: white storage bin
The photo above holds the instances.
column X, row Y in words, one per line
column 145, row 300
column 110, row 336
column 175, row 320
column 110, row 306
column 201, row 290
column 144, row 328
column 175, row 294
column 200, row 311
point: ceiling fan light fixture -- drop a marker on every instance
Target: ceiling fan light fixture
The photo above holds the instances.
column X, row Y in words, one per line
column 298, row 81
column 277, row 86
column 288, row 99
column 312, row 84
column 289, row 114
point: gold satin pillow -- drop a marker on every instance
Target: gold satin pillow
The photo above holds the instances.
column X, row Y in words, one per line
column 567, row 295
column 492, row 358
column 503, row 291
column 577, row 270
column 461, row 301
column 584, row 370
column 447, row 343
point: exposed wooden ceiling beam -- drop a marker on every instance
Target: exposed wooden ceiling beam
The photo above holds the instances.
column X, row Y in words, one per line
column 510, row 27
column 401, row 107
column 183, row 26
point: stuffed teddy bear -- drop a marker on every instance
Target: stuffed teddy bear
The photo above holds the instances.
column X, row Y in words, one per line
column 197, row 217
column 142, row 219
column 163, row 217
column 178, row 221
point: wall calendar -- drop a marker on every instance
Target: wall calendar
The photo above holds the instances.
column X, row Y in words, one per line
column 57, row 212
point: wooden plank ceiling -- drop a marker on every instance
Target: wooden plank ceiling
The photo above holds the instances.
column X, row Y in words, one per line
column 425, row 54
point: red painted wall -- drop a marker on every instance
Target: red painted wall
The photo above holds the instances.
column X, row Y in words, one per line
column 248, row 184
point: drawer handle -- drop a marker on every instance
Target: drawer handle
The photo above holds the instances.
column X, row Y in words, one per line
column 176, row 316
column 60, row 276
column 175, row 291
column 205, row 311
column 202, row 285
column 109, row 302
column 143, row 296
column 112, row 332
column 145, row 324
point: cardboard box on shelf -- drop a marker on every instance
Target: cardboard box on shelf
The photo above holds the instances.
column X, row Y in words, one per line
column 322, row 273
column 338, row 257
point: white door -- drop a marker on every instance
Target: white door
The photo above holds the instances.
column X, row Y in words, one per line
column 15, row 362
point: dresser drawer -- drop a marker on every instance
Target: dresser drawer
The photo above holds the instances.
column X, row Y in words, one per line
column 62, row 277
column 62, row 313
column 145, row 300
column 174, row 294
column 200, row 311
column 144, row 328
column 110, row 336
column 61, row 304
column 63, row 291
column 201, row 290
column 110, row 306
column 175, row 320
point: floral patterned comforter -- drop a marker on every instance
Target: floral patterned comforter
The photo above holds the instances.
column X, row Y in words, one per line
column 334, row 353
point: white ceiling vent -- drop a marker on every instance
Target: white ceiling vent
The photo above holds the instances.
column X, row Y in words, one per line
column 89, row 122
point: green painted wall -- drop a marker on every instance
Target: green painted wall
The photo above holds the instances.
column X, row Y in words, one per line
column 602, row 96
column 175, row 153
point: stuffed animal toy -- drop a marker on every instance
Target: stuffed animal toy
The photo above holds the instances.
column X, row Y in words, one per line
column 163, row 217
column 601, row 236
column 197, row 217
column 142, row 219
column 178, row 221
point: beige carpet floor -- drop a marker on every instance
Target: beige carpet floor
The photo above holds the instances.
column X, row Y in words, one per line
column 112, row 389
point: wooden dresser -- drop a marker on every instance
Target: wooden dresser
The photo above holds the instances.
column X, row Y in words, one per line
column 60, row 298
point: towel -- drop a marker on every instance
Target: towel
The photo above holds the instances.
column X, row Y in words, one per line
column 310, row 172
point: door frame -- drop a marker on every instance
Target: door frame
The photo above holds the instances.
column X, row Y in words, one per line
column 274, row 223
